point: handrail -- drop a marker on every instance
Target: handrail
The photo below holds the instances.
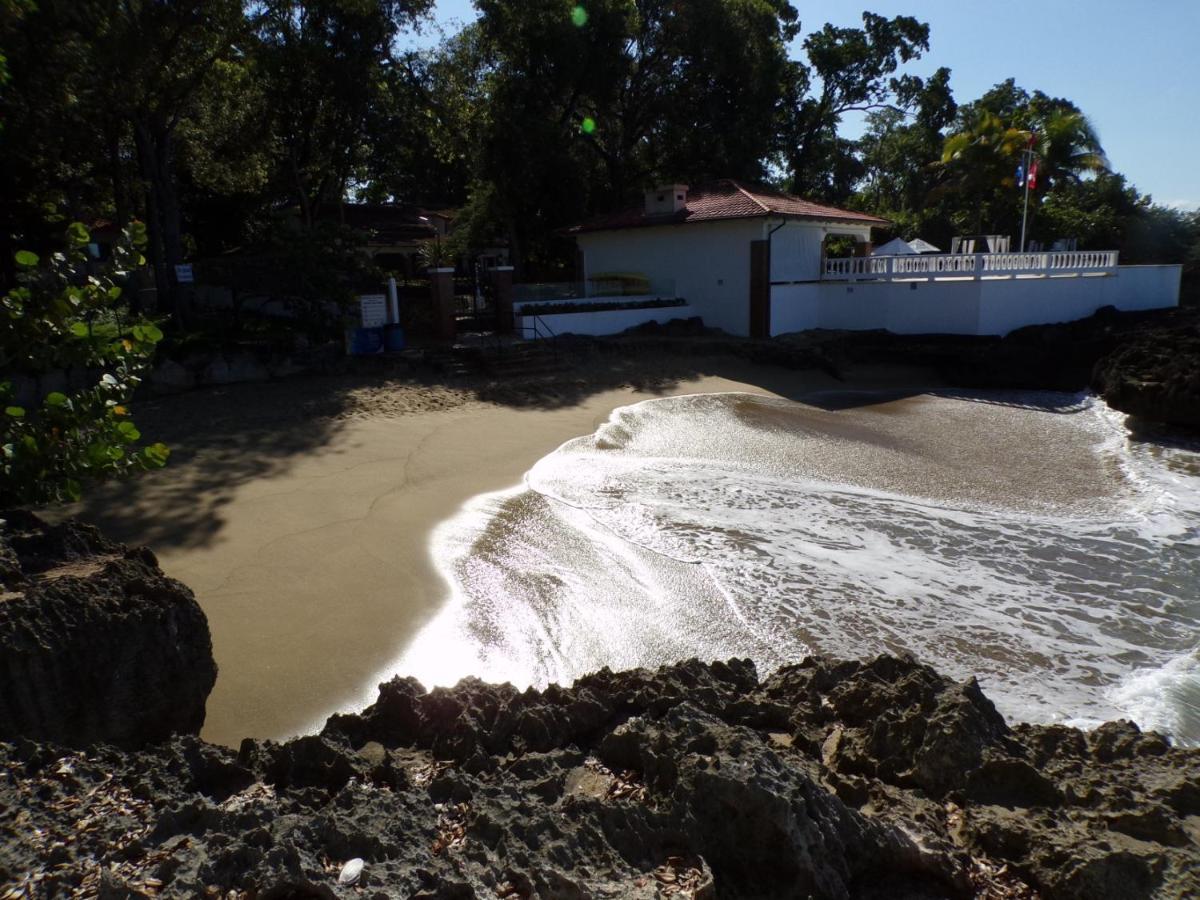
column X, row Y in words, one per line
column 971, row 265
column 535, row 324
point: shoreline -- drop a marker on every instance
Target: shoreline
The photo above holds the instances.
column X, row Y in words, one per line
column 314, row 565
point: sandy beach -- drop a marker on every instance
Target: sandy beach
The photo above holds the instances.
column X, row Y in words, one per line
column 300, row 511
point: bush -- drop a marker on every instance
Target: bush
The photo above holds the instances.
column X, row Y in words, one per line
column 555, row 309
column 69, row 314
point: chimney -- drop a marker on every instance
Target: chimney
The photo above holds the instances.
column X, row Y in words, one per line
column 666, row 199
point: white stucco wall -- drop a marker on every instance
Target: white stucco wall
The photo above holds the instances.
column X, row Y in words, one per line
column 987, row 306
column 1014, row 303
column 796, row 247
column 609, row 321
column 708, row 261
column 795, row 307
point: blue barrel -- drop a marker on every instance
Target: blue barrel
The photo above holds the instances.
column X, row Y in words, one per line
column 366, row 341
column 393, row 338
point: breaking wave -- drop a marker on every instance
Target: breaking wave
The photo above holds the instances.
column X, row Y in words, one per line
column 1020, row 538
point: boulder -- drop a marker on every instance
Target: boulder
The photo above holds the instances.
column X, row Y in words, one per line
column 1155, row 378
column 97, row 645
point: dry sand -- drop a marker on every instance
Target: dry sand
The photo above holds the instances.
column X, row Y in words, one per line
column 300, row 511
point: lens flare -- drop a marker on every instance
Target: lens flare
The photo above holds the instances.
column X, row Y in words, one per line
column 579, row 16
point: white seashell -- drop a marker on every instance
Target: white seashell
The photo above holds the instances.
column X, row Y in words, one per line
column 351, row 871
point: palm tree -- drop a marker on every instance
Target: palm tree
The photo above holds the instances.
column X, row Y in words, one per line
column 980, row 159
column 1067, row 148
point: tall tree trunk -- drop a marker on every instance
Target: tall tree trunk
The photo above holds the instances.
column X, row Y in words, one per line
column 117, row 174
column 148, row 164
column 155, row 149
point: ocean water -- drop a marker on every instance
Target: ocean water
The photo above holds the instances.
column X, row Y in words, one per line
column 1021, row 538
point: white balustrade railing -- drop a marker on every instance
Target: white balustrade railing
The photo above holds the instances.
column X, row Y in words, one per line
column 970, row 265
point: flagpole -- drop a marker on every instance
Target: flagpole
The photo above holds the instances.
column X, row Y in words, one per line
column 1025, row 212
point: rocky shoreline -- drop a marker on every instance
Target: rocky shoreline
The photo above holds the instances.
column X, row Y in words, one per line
column 869, row 779
column 828, row 779
column 1144, row 364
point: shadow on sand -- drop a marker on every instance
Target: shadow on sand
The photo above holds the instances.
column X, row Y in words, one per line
column 224, row 437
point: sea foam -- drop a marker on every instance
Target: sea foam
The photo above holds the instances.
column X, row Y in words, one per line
column 1020, row 538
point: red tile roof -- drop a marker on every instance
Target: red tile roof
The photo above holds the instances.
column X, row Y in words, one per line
column 729, row 199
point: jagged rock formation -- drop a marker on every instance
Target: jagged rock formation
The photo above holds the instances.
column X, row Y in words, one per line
column 1146, row 364
column 876, row 779
column 1155, row 378
column 96, row 643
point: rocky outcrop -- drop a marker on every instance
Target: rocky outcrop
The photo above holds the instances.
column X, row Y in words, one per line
column 877, row 779
column 96, row 643
column 1146, row 364
column 1156, row 377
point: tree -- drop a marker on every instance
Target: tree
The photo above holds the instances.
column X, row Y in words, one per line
column 583, row 106
column 899, row 152
column 848, row 69
column 987, row 145
column 61, row 316
column 980, row 161
column 326, row 65
column 151, row 62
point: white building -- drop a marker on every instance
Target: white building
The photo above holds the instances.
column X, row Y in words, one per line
column 753, row 262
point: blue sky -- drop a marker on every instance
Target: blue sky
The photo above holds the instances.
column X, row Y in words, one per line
column 1134, row 68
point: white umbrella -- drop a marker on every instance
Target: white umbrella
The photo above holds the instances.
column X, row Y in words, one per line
column 920, row 246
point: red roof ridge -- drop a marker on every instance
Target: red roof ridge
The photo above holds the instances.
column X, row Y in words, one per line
column 753, row 198
column 728, row 198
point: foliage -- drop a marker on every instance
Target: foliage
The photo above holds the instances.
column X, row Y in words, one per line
column 207, row 119
column 564, row 307
column 69, row 314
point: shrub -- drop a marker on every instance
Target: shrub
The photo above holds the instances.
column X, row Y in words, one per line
column 68, row 314
column 555, row 309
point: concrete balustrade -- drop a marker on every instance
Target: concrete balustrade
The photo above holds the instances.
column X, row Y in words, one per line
column 936, row 266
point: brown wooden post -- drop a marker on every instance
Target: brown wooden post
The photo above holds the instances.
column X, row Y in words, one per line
column 760, row 289
column 441, row 284
column 502, row 290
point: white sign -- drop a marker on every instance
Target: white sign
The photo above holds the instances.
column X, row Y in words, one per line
column 183, row 273
column 374, row 310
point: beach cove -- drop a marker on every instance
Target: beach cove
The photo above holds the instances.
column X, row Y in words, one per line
column 300, row 511
column 399, row 526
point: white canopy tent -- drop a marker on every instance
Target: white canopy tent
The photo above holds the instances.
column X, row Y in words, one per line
column 894, row 247
column 899, row 247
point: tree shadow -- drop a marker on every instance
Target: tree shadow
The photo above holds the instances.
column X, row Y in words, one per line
column 222, row 438
column 658, row 367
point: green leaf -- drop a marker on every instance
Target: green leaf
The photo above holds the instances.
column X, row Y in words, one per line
column 115, row 453
column 77, row 234
column 79, row 329
column 16, row 412
column 153, row 333
column 56, row 398
column 156, row 454
column 74, row 490
column 129, row 432
column 26, row 259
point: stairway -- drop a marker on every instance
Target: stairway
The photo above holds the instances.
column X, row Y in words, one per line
column 456, row 361
column 525, row 359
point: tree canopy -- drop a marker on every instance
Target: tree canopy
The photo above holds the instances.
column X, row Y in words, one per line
column 213, row 122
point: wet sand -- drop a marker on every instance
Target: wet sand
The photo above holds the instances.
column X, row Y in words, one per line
column 302, row 520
